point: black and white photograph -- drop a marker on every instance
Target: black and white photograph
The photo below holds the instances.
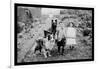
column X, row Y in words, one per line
column 53, row 34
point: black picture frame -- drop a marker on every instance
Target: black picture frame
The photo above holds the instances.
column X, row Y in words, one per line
column 49, row 6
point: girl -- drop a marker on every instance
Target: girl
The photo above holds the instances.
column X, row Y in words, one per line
column 71, row 35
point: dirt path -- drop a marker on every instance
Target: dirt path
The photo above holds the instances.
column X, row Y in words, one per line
column 26, row 47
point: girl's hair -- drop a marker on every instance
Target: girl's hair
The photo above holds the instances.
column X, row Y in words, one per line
column 71, row 23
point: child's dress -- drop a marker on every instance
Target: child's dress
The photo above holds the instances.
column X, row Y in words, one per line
column 71, row 36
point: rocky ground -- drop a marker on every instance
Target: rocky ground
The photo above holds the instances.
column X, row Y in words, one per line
column 81, row 51
column 78, row 53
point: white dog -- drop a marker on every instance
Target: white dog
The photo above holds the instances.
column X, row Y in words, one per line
column 44, row 46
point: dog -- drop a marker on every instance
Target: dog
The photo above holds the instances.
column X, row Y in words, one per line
column 44, row 46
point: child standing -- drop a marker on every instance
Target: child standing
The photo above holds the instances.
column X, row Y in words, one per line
column 71, row 35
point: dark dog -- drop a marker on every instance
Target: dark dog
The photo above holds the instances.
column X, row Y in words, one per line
column 40, row 44
column 44, row 46
column 53, row 27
